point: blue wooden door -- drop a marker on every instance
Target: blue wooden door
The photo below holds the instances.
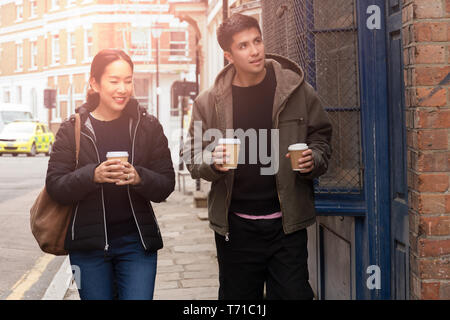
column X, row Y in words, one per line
column 397, row 150
column 351, row 52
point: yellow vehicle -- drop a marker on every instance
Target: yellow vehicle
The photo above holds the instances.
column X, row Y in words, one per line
column 27, row 137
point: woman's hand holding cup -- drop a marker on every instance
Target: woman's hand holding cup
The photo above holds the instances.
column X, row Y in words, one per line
column 109, row 171
column 129, row 176
column 116, row 170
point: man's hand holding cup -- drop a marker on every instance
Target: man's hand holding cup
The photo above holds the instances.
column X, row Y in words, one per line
column 219, row 157
column 225, row 156
column 301, row 157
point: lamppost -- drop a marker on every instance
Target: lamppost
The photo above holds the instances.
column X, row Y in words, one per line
column 224, row 17
column 198, row 36
column 156, row 33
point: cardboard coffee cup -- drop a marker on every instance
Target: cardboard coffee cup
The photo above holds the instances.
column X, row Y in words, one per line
column 296, row 150
column 232, row 146
column 121, row 155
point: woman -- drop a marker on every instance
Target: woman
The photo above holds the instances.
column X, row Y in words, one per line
column 113, row 236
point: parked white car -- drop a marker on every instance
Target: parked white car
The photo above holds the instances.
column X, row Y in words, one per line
column 10, row 112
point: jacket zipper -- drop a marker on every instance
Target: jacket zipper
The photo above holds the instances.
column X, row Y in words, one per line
column 76, row 208
column 128, row 186
column 227, row 234
column 279, row 199
column 103, row 197
column 74, row 218
column 277, row 116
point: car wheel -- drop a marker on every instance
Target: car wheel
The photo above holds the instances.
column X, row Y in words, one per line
column 32, row 151
column 50, row 146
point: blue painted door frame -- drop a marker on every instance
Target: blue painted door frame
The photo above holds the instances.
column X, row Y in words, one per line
column 373, row 231
column 380, row 210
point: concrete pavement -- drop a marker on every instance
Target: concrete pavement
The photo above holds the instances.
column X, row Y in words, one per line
column 187, row 265
column 25, row 271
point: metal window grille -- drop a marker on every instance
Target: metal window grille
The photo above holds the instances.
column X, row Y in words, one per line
column 321, row 36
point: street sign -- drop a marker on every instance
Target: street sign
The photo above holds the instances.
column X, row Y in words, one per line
column 50, row 98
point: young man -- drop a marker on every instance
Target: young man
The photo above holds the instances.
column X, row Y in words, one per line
column 259, row 220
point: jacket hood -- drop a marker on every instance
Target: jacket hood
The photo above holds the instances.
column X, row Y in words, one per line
column 289, row 75
column 131, row 109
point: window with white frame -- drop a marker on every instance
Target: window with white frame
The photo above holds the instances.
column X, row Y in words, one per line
column 33, row 8
column 140, row 44
column 56, row 112
column 6, row 95
column 178, row 43
column 34, row 102
column 88, row 44
column 18, row 94
column 55, row 4
column 71, row 47
column 19, row 11
column 19, row 55
column 33, row 54
column 55, row 49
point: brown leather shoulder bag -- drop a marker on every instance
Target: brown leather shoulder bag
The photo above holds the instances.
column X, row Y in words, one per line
column 50, row 220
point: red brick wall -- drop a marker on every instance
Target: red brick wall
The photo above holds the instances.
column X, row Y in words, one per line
column 426, row 37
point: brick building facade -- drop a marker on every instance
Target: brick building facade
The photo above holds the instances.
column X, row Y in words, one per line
column 50, row 44
column 426, row 36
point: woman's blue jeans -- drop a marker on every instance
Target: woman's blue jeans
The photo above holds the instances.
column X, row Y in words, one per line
column 127, row 272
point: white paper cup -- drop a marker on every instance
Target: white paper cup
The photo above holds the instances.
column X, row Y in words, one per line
column 296, row 150
column 121, row 155
column 232, row 146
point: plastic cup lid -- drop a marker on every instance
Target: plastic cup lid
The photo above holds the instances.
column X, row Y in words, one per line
column 116, row 154
column 298, row 146
column 229, row 141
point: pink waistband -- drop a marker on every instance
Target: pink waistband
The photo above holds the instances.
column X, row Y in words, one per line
column 267, row 216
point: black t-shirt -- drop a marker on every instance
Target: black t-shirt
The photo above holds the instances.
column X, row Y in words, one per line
column 114, row 135
column 253, row 193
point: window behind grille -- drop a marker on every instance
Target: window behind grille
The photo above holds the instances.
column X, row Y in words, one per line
column 321, row 36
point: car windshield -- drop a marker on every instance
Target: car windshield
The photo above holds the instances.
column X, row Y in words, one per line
column 9, row 116
column 19, row 127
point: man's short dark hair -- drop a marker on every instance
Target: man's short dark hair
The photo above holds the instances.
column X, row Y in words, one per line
column 234, row 24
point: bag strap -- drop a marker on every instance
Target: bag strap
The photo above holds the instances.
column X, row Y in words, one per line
column 77, row 136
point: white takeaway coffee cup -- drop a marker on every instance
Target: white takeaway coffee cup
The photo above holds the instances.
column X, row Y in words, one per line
column 121, row 155
column 295, row 151
column 232, row 146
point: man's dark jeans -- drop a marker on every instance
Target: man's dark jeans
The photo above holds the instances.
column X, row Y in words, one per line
column 259, row 252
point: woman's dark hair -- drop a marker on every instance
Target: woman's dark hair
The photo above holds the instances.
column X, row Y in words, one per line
column 234, row 24
column 101, row 60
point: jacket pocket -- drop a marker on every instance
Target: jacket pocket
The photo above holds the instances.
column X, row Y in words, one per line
column 292, row 119
column 292, row 130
